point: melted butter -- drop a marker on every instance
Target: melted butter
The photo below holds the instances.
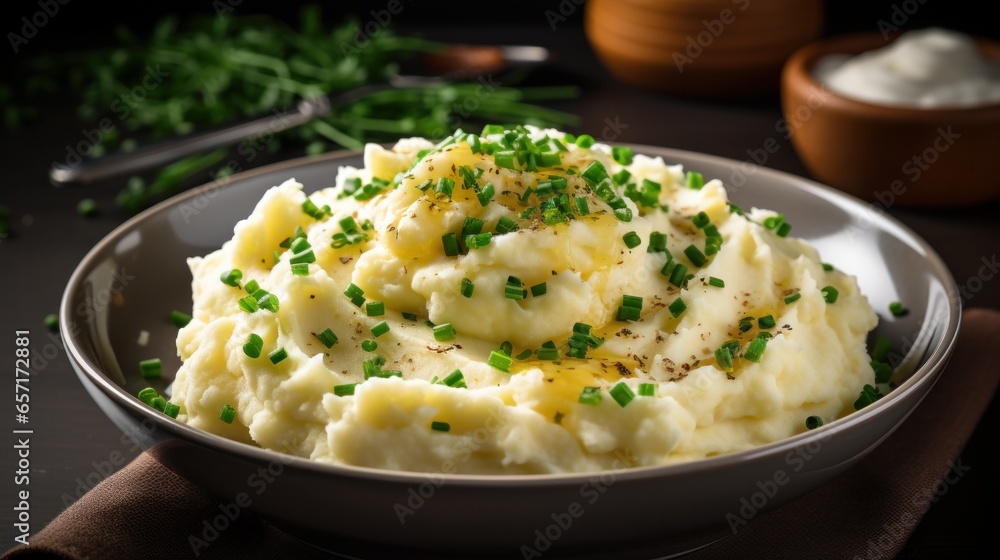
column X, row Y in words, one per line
column 566, row 378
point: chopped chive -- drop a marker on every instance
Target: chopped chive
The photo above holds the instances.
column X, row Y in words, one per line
column 827, row 267
column 179, row 318
column 756, row 349
column 590, row 395
column 595, row 173
column 657, row 242
column 355, row 294
column 582, row 208
column 248, row 304
column 881, row 348
column 228, row 414
column 506, row 225
column 514, row 288
column 524, row 355
column 345, row 389
column 369, row 345
column 585, row 141
column 327, row 338
column 309, row 208
column 268, row 302
column 766, row 322
column 444, row 332
column 793, row 297
column 507, row 348
column 694, row 180
column 695, row 255
column 478, row 241
column 467, row 287
column 647, row 390
column 486, row 194
column 441, row 426
column 300, row 269
column 868, row 395
column 716, row 282
column 171, row 409
column 472, row 226
column 677, row 307
column 375, row 308
column 623, row 214
column 151, row 369
column 830, row 294
column 621, row 177
column 380, row 329
column 883, row 371
column 277, row 355
column 505, row 159
column 813, row 422
column 159, row 403
column 746, row 323
column 455, row 379
column 450, row 243
column 251, row 286
column 678, row 275
column 622, row 394
column 253, row 346
column 897, row 309
column 528, row 212
column 492, row 129
column 550, row 159
column 409, row 316
column 632, row 240
column 51, row 321
column 701, row 220
column 784, row 229
column 724, row 356
column 87, row 208
column 232, row 277
column 539, row 289
column 445, row 187
column 146, row 395
column 499, row 360
column 622, row 154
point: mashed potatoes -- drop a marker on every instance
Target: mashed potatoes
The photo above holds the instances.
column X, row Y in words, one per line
column 514, row 302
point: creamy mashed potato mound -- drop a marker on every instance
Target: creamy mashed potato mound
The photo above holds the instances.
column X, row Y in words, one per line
column 382, row 230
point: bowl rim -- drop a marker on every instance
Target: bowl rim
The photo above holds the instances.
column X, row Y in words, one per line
column 928, row 372
column 798, row 74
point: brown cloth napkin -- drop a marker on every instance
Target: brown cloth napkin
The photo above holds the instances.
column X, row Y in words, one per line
column 146, row 510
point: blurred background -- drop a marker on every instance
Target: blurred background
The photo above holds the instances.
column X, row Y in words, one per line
column 62, row 75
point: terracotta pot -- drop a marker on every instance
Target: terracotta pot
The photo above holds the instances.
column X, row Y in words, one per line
column 711, row 48
column 892, row 155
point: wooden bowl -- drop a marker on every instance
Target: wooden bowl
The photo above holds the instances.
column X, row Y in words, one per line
column 890, row 155
column 704, row 48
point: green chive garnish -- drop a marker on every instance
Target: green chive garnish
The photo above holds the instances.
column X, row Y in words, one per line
column 793, row 297
column 590, row 395
column 539, row 289
column 248, row 304
column 369, row 345
column 695, row 255
column 344, row 390
column 756, row 349
column 499, row 360
column 450, row 243
column 897, row 309
column 179, row 319
column 524, row 355
column 147, row 395
column 622, row 394
column 827, row 267
column 300, row 269
column 277, row 355
column 441, row 426
column 695, row 180
column 228, row 414
column 455, row 379
column 766, row 322
column 631, row 240
column 830, row 294
column 813, row 422
column 716, row 282
column 677, row 307
column 657, row 242
column 724, row 356
column 327, row 338
column 380, row 329
column 701, row 220
column 647, row 390
column 375, row 309
column 87, row 208
column 622, row 154
column 409, row 316
column 486, row 194
column 171, row 409
column 355, row 294
column 51, row 322
column 585, row 141
column 151, row 369
column 232, row 277
column 444, row 332
column 253, row 346
column 467, row 287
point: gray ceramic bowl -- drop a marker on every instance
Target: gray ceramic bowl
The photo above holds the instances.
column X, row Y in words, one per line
column 133, row 279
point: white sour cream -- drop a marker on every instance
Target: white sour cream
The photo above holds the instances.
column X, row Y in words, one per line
column 931, row 68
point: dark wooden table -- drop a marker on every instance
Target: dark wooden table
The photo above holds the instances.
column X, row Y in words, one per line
column 74, row 445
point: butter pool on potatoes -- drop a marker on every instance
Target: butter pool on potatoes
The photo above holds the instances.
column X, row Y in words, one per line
column 527, row 420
